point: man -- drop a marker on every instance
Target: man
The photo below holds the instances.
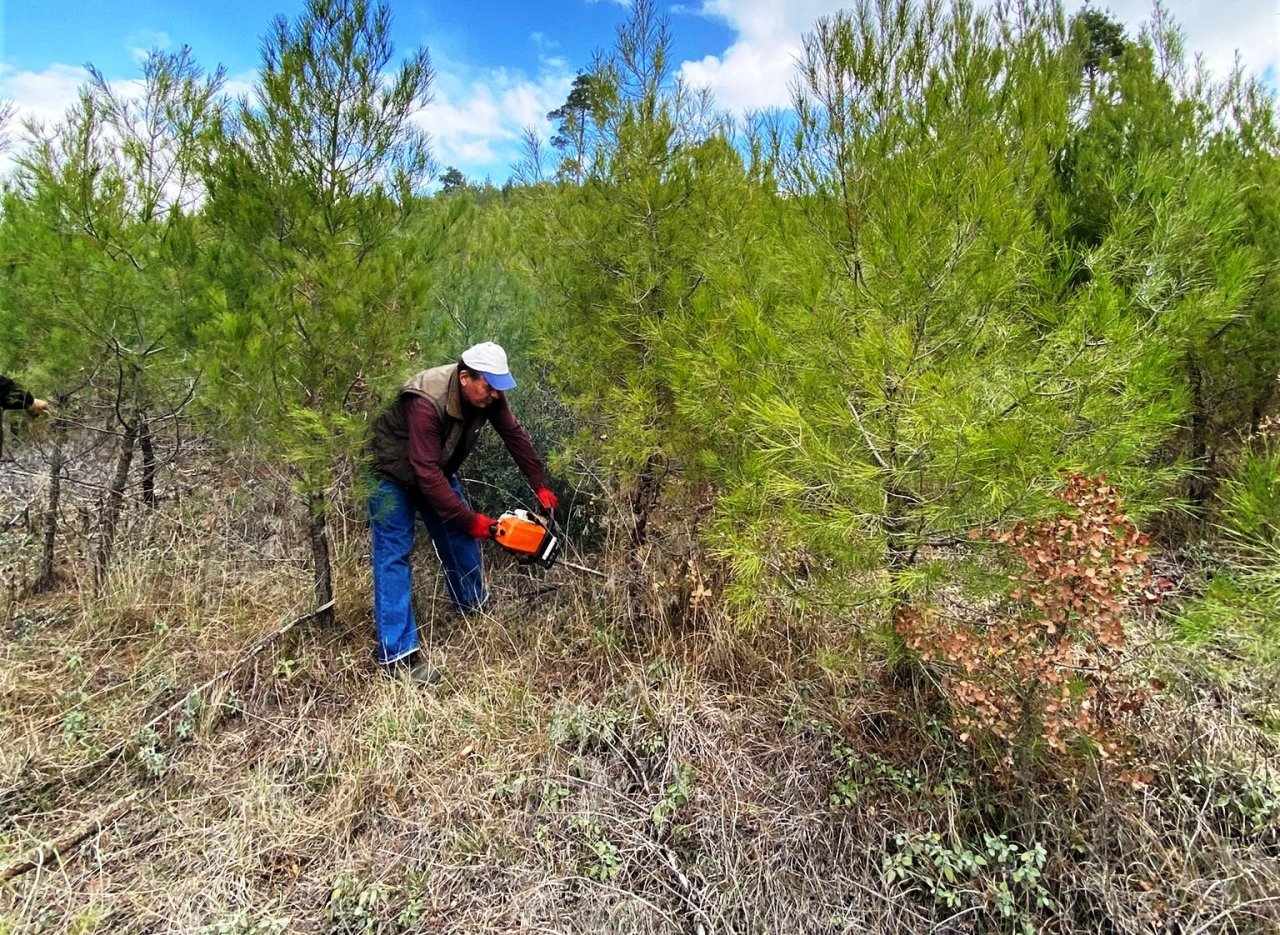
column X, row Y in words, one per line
column 13, row 396
column 419, row 443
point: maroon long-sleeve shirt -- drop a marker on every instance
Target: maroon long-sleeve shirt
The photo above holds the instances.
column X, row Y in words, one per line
column 13, row 396
column 425, row 441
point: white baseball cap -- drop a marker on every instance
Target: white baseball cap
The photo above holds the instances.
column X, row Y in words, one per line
column 490, row 360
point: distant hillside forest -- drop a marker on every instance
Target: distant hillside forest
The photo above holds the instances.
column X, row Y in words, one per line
column 954, row 384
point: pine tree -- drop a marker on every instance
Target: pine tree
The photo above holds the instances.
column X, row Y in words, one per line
column 1152, row 178
column 957, row 351
column 631, row 244
column 316, row 279
column 927, row 325
column 161, row 139
column 574, row 120
column 102, row 245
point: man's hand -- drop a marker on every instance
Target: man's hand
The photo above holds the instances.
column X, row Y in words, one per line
column 39, row 405
column 548, row 499
column 482, row 527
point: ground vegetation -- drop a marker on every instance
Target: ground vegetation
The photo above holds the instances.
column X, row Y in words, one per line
column 919, row 466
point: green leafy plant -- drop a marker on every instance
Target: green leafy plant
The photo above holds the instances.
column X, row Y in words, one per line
column 601, row 859
column 357, row 905
column 188, row 716
column 588, row 727
column 999, row 878
column 1244, row 802
column 149, row 753
column 75, row 722
column 864, row 772
column 675, row 796
column 245, row 922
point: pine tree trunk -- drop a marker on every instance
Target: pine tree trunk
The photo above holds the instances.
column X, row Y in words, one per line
column 148, row 460
column 115, row 503
column 897, row 504
column 647, row 492
column 1199, row 486
column 45, row 579
column 894, row 526
column 1025, row 741
column 900, row 557
column 317, row 527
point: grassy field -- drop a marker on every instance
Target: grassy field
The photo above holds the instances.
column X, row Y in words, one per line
column 187, row 752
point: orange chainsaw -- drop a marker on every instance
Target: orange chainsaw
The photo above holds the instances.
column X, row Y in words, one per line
column 528, row 537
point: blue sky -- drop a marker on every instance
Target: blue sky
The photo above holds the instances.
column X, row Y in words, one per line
column 502, row 65
column 491, row 34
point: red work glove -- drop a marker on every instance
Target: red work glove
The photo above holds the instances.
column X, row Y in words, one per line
column 548, row 500
column 482, row 527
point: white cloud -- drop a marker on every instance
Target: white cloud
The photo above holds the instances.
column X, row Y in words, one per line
column 239, row 85
column 757, row 69
column 38, row 97
column 476, row 120
column 43, row 96
column 540, row 41
column 1217, row 30
column 46, row 96
column 144, row 41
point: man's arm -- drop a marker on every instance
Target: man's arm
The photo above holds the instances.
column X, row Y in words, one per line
column 425, row 443
column 517, row 441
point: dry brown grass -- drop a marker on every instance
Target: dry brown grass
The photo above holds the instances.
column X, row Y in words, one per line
column 594, row 761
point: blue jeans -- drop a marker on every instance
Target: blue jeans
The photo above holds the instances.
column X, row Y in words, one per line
column 393, row 513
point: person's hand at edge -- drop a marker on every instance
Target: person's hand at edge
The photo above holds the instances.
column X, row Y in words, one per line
column 548, row 499
column 39, row 405
column 482, row 527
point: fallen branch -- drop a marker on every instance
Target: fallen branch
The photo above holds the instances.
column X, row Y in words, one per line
column 585, row 570
column 239, row 663
column 100, row 765
column 58, row 846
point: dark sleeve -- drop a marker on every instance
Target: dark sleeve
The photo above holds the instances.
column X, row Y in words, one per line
column 517, row 441
column 13, row 396
column 424, row 455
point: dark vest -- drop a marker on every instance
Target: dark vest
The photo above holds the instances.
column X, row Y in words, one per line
column 390, row 444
